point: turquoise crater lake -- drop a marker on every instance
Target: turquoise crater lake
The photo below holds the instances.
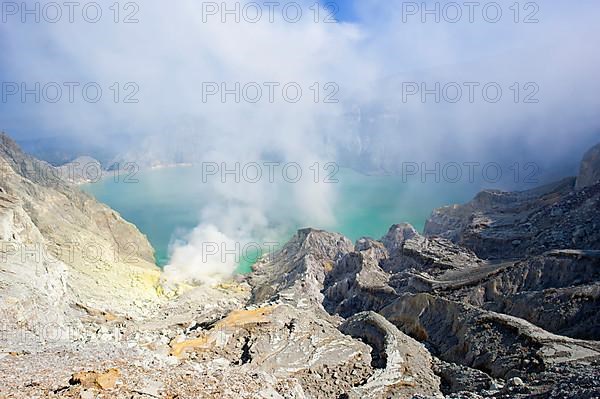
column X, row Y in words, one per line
column 164, row 204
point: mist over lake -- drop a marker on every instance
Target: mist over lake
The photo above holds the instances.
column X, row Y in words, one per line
column 163, row 203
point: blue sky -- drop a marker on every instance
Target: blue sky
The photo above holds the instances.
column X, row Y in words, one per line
column 343, row 10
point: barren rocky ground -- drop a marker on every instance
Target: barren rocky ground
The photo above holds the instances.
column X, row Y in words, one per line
column 499, row 298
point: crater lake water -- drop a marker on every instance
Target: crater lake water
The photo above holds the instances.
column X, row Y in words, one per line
column 164, row 204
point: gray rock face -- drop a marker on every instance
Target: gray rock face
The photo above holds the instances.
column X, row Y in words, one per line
column 498, row 344
column 286, row 343
column 502, row 225
column 16, row 161
column 397, row 235
column 79, row 250
column 357, row 282
column 499, row 225
column 296, row 273
column 403, row 366
column 589, row 172
column 558, row 291
column 49, row 200
column 410, row 250
column 404, row 261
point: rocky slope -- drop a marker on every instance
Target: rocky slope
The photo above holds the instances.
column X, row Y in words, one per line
column 502, row 225
column 67, row 238
column 499, row 299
